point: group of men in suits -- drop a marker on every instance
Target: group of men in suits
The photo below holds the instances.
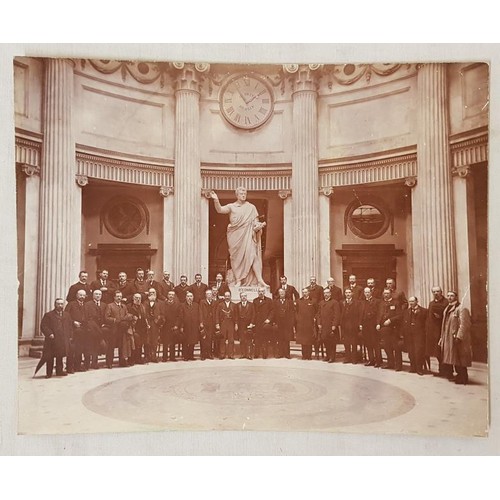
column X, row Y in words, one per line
column 139, row 316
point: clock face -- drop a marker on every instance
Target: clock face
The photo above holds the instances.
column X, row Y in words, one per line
column 246, row 101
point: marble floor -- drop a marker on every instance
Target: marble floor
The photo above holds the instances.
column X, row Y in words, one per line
column 272, row 394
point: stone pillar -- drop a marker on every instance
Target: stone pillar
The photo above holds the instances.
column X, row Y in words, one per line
column 288, row 258
column 204, row 235
column 436, row 261
column 464, row 228
column 305, row 206
column 168, row 228
column 32, row 211
column 60, row 197
column 187, row 175
column 324, row 240
column 413, row 239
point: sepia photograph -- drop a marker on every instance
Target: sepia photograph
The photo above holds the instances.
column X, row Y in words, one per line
column 206, row 245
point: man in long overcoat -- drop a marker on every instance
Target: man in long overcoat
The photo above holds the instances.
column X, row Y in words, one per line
column 78, row 346
column 155, row 316
column 190, row 322
column 369, row 315
column 264, row 312
column 57, row 329
column 94, row 311
column 226, row 320
column 284, row 317
column 349, row 326
column 328, row 321
column 433, row 327
column 305, row 324
column 170, row 332
column 246, row 327
column 413, row 322
column 388, row 325
column 207, row 317
column 141, row 327
column 455, row 339
column 117, row 320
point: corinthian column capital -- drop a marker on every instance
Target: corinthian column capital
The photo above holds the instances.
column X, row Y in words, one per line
column 188, row 75
column 306, row 75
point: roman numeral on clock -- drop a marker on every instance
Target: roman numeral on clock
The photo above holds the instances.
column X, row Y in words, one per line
column 263, row 111
column 247, row 121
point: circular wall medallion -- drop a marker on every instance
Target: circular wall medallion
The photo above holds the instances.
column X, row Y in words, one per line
column 246, row 101
column 368, row 218
column 124, row 217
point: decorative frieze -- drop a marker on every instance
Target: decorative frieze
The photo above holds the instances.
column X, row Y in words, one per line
column 469, row 151
column 387, row 169
column 262, row 180
column 28, row 151
column 110, row 169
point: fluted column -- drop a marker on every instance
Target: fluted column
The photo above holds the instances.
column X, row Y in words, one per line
column 463, row 198
column 168, row 228
column 288, row 258
column 436, row 263
column 204, row 234
column 31, row 250
column 60, row 197
column 325, row 272
column 187, row 177
column 304, row 183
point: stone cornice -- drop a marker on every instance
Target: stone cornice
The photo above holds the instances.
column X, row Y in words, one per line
column 99, row 167
column 271, row 180
column 469, row 151
column 366, row 172
column 28, row 151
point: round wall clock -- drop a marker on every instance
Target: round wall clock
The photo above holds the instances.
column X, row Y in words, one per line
column 246, row 101
column 124, row 217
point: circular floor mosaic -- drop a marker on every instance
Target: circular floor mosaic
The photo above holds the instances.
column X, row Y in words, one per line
column 252, row 398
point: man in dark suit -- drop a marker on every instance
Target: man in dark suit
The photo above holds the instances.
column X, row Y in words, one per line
column 316, row 294
column 198, row 289
column 357, row 290
column 170, row 334
column 165, row 286
column 264, row 312
column 105, row 285
column 226, row 320
column 305, row 324
column 284, row 317
column 376, row 292
column 328, row 321
column 369, row 315
column 140, row 285
column 57, row 329
column 315, row 291
column 117, row 320
column 155, row 316
column 181, row 289
column 334, row 290
column 349, row 326
column 396, row 294
column 152, row 283
column 246, row 326
column 290, row 291
column 141, row 326
column 94, row 312
column 388, row 326
column 78, row 345
column 221, row 286
column 207, row 313
column 125, row 287
column 81, row 284
column 190, row 321
column 414, row 320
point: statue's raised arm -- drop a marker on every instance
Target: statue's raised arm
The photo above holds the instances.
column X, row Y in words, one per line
column 243, row 238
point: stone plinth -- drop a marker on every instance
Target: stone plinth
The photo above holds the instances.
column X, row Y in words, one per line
column 251, row 291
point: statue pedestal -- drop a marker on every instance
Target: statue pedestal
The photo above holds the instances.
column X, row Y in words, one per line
column 251, row 291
